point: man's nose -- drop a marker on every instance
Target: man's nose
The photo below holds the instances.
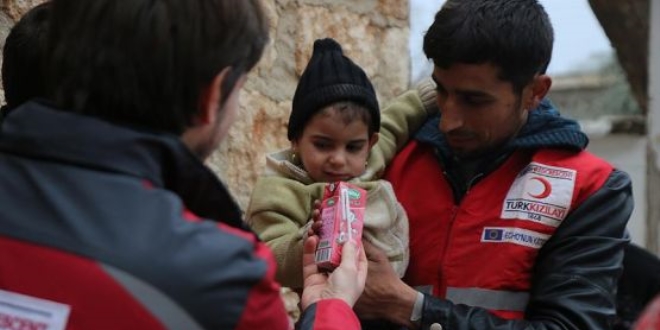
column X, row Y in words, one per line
column 451, row 116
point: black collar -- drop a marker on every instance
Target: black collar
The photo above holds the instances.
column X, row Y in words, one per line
column 38, row 131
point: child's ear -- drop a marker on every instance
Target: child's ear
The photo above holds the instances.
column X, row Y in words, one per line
column 373, row 139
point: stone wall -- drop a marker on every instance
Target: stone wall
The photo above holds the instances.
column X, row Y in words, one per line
column 374, row 33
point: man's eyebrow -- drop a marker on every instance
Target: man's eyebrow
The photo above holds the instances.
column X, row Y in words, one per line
column 466, row 92
column 475, row 93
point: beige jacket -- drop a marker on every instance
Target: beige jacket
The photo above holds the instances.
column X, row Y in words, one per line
column 281, row 201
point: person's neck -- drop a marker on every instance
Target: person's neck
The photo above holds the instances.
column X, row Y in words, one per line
column 477, row 164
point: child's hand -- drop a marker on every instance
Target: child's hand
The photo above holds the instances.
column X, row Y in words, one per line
column 315, row 228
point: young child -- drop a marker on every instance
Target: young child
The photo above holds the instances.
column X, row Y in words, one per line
column 334, row 132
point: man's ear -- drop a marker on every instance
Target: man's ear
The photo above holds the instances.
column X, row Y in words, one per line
column 211, row 99
column 539, row 88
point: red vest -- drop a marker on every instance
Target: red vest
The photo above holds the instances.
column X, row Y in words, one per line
column 481, row 252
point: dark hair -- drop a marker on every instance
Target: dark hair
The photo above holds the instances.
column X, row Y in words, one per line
column 514, row 35
column 146, row 63
column 348, row 111
column 22, row 66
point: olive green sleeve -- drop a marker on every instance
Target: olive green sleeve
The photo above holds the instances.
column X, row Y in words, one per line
column 401, row 118
column 278, row 211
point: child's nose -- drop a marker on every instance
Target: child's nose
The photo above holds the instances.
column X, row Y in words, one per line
column 338, row 158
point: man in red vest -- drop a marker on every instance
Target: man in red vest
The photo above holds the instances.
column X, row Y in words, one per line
column 513, row 224
column 109, row 218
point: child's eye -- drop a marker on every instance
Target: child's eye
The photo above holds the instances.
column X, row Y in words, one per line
column 322, row 145
column 355, row 147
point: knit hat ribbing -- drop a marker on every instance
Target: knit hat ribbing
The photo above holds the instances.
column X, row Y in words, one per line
column 330, row 77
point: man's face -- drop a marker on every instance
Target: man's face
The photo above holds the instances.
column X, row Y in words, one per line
column 479, row 111
column 205, row 139
column 229, row 111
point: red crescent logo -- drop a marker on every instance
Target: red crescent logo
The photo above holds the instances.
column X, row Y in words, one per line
column 547, row 188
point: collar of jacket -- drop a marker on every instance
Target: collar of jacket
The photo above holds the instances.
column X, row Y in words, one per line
column 36, row 130
column 545, row 128
column 279, row 163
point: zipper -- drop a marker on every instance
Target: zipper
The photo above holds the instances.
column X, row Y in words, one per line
column 448, row 236
column 455, row 187
column 472, row 182
column 454, row 213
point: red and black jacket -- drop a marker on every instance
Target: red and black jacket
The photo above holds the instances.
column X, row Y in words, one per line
column 110, row 222
column 493, row 252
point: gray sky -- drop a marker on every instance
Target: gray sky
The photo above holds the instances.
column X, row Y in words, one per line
column 578, row 35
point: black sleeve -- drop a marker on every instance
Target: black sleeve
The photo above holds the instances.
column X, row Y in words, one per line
column 638, row 285
column 575, row 276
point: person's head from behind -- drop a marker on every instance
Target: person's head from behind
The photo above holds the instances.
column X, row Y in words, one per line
column 22, row 65
column 169, row 66
column 490, row 58
column 335, row 117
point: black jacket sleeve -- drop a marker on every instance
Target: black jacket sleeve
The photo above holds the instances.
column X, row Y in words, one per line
column 638, row 285
column 575, row 276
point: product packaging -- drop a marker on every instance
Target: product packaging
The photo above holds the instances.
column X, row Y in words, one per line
column 342, row 215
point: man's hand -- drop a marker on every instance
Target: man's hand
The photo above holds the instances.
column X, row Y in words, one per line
column 385, row 296
column 346, row 282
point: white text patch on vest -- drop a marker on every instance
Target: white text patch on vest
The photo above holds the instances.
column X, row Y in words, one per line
column 18, row 311
column 540, row 193
column 518, row 236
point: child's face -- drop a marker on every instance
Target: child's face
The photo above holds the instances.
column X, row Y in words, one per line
column 332, row 149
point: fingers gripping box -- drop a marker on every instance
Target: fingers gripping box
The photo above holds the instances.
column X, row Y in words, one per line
column 342, row 215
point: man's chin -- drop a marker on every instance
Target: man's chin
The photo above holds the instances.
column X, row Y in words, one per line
column 467, row 154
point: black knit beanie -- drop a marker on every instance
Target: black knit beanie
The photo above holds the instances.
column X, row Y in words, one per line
column 330, row 77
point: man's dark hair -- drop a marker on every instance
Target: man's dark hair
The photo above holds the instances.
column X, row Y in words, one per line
column 22, row 65
column 145, row 63
column 514, row 35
